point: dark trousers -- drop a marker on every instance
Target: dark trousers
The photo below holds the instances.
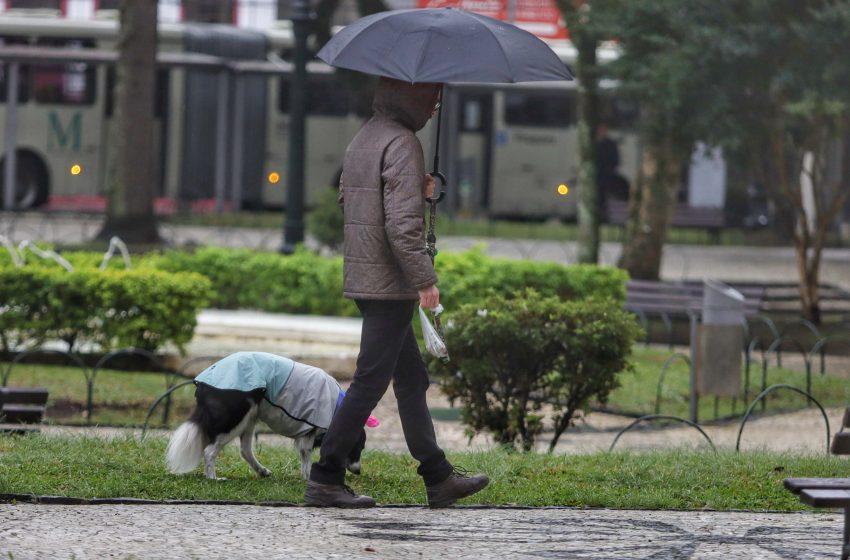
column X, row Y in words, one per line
column 388, row 351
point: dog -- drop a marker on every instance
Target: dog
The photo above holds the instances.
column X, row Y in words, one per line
column 295, row 400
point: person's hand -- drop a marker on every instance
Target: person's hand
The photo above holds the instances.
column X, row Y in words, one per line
column 430, row 185
column 429, row 297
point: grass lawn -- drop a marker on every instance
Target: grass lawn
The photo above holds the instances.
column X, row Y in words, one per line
column 123, row 398
column 638, row 390
column 91, row 467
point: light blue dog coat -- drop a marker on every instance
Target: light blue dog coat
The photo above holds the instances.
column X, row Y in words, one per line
column 298, row 398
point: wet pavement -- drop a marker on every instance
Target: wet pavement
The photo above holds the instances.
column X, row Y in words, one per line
column 169, row 531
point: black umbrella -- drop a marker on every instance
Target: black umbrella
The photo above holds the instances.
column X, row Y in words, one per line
column 442, row 45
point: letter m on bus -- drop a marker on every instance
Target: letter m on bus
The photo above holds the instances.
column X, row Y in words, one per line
column 64, row 137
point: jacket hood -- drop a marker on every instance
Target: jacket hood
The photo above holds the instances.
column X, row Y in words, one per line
column 409, row 104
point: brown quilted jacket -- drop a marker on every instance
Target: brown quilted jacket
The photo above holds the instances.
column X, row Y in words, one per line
column 382, row 192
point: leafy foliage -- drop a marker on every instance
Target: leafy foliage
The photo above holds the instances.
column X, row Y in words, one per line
column 511, row 356
column 308, row 283
column 113, row 308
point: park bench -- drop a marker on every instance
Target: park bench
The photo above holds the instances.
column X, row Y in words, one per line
column 783, row 298
column 710, row 219
column 672, row 300
column 829, row 492
column 22, row 405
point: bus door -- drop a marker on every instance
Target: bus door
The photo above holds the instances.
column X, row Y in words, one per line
column 331, row 124
column 535, row 154
column 63, row 123
column 201, row 93
column 472, row 162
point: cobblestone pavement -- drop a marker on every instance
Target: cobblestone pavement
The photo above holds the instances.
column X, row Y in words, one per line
column 187, row 531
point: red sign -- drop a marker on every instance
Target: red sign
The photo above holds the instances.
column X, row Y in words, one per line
column 540, row 17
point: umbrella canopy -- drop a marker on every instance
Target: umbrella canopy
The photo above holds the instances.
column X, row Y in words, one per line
column 443, row 45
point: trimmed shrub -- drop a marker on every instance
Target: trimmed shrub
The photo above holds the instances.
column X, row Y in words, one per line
column 113, row 308
column 472, row 277
column 308, row 283
column 245, row 279
column 512, row 356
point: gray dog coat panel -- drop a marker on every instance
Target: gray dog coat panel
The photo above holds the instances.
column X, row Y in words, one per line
column 297, row 399
column 308, row 401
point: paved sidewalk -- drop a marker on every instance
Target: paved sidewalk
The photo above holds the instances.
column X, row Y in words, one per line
column 185, row 531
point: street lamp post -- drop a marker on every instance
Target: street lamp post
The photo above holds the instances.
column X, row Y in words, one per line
column 293, row 228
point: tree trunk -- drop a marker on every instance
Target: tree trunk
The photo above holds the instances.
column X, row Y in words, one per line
column 650, row 214
column 130, row 177
column 587, row 73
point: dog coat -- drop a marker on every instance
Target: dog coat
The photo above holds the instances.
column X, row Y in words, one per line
column 297, row 397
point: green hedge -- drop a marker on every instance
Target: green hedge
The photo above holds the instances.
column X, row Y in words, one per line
column 312, row 284
column 152, row 305
column 143, row 308
column 244, row 279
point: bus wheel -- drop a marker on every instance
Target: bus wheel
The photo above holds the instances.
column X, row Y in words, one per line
column 31, row 188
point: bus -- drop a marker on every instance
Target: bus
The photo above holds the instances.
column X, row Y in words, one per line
column 513, row 148
column 508, row 151
column 63, row 110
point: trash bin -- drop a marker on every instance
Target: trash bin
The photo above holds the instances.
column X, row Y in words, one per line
column 720, row 340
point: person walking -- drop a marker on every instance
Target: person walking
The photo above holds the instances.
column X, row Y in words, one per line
column 387, row 272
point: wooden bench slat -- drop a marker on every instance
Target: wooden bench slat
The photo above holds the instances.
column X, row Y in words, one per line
column 21, row 413
column 23, row 395
column 825, row 498
column 797, row 485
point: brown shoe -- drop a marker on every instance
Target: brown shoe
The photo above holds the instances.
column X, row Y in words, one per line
column 335, row 495
column 458, row 485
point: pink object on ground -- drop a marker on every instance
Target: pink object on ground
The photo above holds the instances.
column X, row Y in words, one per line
column 373, row 422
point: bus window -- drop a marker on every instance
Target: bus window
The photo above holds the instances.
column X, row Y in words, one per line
column 34, row 4
column 64, row 84
column 538, row 109
column 471, row 121
column 23, row 79
column 326, row 97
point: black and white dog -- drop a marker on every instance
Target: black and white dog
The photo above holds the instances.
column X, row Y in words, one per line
column 295, row 400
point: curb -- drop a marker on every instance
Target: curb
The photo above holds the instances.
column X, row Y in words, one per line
column 74, row 501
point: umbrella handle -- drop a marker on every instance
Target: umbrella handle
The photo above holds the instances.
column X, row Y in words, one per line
column 442, row 178
column 439, row 175
column 436, row 200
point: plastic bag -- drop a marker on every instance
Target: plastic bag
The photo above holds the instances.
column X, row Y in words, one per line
column 433, row 340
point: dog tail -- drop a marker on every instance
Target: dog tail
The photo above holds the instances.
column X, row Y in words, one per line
column 185, row 448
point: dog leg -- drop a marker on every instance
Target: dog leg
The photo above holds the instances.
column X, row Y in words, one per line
column 211, row 453
column 212, row 450
column 304, row 445
column 247, row 450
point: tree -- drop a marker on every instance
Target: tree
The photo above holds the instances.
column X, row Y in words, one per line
column 782, row 103
column 130, row 176
column 656, row 69
column 587, row 30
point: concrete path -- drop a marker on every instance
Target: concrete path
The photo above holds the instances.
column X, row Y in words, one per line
column 183, row 531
